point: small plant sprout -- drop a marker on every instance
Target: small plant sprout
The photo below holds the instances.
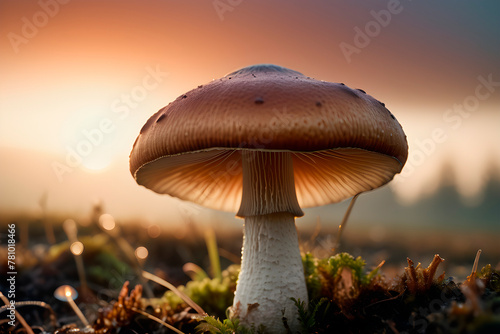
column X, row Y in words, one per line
column 213, row 253
column 49, row 229
column 473, row 288
column 67, row 293
column 473, row 273
column 266, row 141
column 112, row 229
column 76, row 248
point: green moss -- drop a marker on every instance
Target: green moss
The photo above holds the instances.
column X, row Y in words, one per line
column 323, row 275
column 491, row 276
column 227, row 326
column 214, row 295
column 345, row 297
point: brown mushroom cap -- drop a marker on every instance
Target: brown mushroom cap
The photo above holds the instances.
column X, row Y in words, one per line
column 342, row 140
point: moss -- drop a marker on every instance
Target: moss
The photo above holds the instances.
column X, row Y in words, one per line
column 347, row 298
column 214, row 295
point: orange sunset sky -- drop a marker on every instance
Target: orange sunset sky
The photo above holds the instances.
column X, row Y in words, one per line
column 93, row 71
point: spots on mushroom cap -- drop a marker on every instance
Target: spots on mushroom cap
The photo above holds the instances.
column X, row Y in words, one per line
column 162, row 116
column 350, row 91
column 152, row 120
column 390, row 113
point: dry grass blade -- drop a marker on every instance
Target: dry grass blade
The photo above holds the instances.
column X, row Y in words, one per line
column 473, row 273
column 473, row 288
column 344, row 222
column 169, row 286
column 152, row 317
column 18, row 315
column 417, row 279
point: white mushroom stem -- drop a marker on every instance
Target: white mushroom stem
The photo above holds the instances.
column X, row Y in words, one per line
column 271, row 268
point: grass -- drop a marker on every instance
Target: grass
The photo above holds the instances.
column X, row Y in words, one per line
column 348, row 294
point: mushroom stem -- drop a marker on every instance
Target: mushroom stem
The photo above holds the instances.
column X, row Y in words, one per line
column 271, row 267
column 268, row 184
column 271, row 273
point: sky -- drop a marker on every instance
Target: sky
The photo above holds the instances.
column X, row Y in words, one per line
column 78, row 79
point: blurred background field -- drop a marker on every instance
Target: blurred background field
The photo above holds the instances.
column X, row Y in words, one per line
column 80, row 78
column 175, row 250
column 376, row 231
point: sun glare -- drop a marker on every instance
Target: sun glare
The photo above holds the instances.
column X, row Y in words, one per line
column 96, row 163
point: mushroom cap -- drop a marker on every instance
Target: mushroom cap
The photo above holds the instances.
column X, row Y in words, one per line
column 342, row 140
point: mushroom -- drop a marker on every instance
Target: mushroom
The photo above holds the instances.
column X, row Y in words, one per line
column 266, row 141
